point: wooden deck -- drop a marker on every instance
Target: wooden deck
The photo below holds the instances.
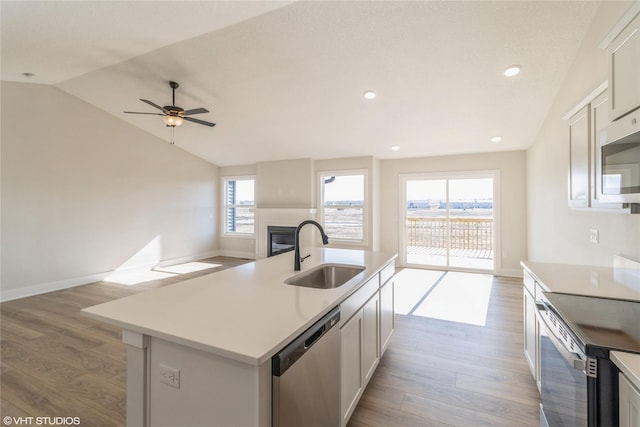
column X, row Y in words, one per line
column 462, row 253
column 458, row 234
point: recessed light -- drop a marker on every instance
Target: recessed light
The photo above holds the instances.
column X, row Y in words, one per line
column 395, row 147
column 369, row 94
column 496, row 139
column 512, row 70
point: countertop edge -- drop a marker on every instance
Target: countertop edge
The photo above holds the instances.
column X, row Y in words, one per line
column 584, row 280
column 254, row 361
column 524, row 264
column 250, row 359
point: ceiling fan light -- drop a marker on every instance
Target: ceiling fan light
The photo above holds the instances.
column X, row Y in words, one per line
column 173, row 121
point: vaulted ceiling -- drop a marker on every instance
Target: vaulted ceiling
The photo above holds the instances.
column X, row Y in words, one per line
column 285, row 80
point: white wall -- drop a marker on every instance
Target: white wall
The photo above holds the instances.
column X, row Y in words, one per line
column 285, row 184
column 556, row 233
column 512, row 212
column 84, row 192
column 383, row 185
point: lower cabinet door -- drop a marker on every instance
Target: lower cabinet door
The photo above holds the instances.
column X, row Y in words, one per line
column 629, row 403
column 530, row 332
column 370, row 337
column 351, row 336
column 387, row 319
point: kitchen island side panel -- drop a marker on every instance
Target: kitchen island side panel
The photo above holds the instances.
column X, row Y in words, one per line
column 212, row 390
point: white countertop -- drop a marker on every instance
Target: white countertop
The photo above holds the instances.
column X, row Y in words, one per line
column 583, row 280
column 629, row 364
column 246, row 313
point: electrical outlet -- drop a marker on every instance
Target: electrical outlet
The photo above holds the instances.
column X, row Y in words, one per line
column 170, row 376
column 594, row 236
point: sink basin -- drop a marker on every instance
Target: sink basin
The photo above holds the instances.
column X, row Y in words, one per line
column 325, row 276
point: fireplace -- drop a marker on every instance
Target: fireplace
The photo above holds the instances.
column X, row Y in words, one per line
column 280, row 239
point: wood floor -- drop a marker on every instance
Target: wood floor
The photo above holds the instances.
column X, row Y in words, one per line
column 56, row 363
column 445, row 373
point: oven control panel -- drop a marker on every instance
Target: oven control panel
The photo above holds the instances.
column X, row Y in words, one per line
column 561, row 332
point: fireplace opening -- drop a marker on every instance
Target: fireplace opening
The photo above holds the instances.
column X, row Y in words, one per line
column 280, row 239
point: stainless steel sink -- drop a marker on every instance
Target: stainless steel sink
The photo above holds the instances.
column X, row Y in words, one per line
column 326, row 276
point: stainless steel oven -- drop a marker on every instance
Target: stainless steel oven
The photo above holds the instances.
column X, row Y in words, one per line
column 579, row 383
column 563, row 383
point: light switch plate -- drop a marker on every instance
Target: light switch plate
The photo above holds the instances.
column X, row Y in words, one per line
column 594, row 236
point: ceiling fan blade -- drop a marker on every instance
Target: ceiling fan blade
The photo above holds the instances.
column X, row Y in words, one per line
column 195, row 111
column 154, row 105
column 202, row 122
column 137, row 112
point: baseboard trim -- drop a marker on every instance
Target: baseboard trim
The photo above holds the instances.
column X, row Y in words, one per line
column 43, row 288
column 511, row 272
column 237, row 254
column 190, row 258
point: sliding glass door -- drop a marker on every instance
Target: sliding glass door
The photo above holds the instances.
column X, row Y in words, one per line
column 449, row 221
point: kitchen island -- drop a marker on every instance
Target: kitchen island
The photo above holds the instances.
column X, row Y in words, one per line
column 199, row 352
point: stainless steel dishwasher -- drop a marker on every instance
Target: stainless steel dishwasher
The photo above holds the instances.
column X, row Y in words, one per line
column 306, row 377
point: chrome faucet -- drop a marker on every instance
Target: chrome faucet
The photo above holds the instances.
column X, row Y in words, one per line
column 296, row 257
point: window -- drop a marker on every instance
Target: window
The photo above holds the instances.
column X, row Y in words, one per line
column 239, row 204
column 342, row 205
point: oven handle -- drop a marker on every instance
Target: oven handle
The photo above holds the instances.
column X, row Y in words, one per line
column 574, row 359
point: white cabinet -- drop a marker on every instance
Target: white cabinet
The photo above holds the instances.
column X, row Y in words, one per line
column 359, row 354
column 359, row 340
column 579, row 131
column 387, row 314
column 531, row 328
column 370, row 337
column 585, row 126
column 599, row 115
column 624, row 66
column 366, row 325
column 629, row 405
column 352, row 381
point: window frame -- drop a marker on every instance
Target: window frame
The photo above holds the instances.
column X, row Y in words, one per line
column 322, row 175
column 226, row 207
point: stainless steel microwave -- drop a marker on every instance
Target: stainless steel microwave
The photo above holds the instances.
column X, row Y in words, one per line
column 620, row 160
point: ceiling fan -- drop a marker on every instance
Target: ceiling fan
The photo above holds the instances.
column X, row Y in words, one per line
column 173, row 115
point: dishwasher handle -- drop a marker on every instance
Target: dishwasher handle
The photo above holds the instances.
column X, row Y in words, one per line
column 315, row 337
column 303, row 343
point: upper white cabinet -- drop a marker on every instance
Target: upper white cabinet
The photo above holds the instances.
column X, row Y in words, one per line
column 579, row 142
column 586, row 121
column 624, row 64
column 599, row 116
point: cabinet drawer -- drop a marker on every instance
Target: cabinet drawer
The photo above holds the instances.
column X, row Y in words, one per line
column 387, row 273
column 355, row 302
column 529, row 283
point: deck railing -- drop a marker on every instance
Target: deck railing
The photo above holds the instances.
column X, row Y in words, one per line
column 474, row 234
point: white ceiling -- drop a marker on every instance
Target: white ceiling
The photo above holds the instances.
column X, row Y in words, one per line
column 284, row 80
